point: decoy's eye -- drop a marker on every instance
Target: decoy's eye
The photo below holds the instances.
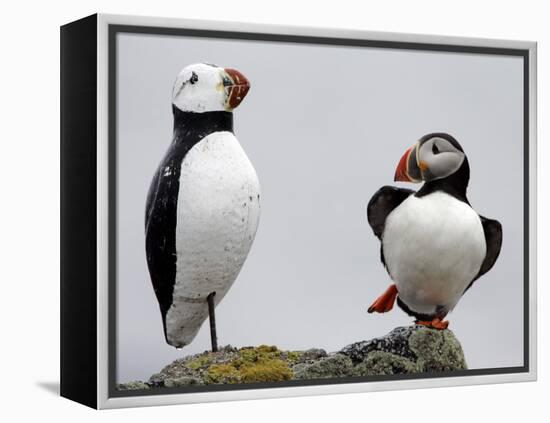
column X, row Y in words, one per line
column 435, row 150
column 194, row 78
column 227, row 82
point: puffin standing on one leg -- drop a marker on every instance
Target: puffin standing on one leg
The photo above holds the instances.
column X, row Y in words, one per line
column 203, row 204
column 433, row 244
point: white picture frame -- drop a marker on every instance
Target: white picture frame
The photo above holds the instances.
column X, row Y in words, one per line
column 97, row 35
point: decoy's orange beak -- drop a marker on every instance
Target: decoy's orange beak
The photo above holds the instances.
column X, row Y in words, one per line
column 237, row 87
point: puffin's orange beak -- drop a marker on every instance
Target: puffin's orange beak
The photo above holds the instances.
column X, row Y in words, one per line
column 401, row 173
column 237, row 87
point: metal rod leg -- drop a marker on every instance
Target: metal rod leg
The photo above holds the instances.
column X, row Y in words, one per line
column 212, row 318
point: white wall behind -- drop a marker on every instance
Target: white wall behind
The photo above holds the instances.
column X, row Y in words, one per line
column 29, row 171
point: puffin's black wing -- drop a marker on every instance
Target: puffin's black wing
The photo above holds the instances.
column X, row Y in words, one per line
column 493, row 238
column 382, row 203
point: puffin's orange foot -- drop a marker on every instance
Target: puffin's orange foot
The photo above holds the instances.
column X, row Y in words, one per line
column 436, row 323
column 385, row 301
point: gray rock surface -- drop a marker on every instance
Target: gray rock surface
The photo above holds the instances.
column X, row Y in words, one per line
column 334, row 365
column 411, row 349
column 405, row 350
column 131, row 386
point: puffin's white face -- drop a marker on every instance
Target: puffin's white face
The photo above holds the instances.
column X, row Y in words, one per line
column 208, row 88
column 434, row 156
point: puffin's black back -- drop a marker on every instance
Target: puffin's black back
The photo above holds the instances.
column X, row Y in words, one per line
column 162, row 199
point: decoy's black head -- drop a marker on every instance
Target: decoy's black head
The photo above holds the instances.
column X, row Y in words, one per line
column 434, row 157
column 209, row 88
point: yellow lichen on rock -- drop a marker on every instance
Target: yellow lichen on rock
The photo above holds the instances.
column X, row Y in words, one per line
column 266, row 371
column 198, row 362
column 222, row 373
column 252, row 364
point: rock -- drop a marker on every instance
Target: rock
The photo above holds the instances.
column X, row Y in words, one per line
column 405, row 350
column 335, row 365
column 313, row 354
column 411, row 349
column 395, row 342
column 134, row 385
column 229, row 365
column 385, row 363
column 181, row 381
column 156, row 380
column 437, row 351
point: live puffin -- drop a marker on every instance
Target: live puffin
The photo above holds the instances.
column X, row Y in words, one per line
column 433, row 244
column 203, row 204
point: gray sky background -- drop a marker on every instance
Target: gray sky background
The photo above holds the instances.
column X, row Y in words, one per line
column 324, row 127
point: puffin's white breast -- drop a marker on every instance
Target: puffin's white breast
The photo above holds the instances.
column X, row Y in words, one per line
column 217, row 216
column 434, row 247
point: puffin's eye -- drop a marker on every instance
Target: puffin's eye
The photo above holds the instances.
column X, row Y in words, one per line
column 435, row 150
column 194, row 78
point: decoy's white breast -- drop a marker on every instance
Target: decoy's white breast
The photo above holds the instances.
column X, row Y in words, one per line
column 217, row 216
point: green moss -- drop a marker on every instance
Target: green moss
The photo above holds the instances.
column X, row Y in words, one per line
column 199, row 362
column 266, row 349
column 259, row 364
column 222, row 373
column 249, row 355
column 293, row 356
column 266, row 371
column 262, row 352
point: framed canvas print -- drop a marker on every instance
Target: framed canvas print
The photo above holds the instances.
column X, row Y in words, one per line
column 254, row 211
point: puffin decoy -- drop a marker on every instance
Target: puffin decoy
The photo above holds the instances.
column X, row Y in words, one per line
column 203, row 205
column 433, row 243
